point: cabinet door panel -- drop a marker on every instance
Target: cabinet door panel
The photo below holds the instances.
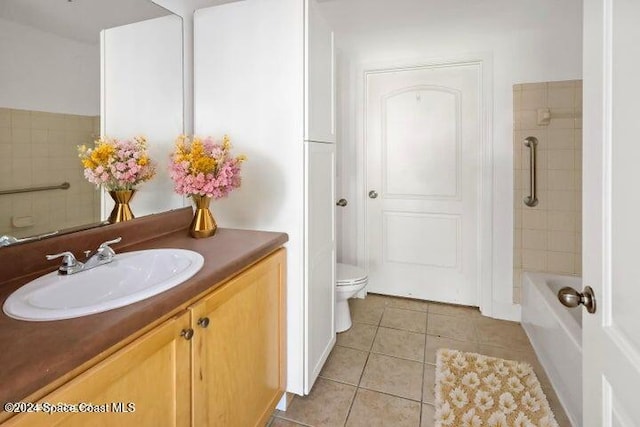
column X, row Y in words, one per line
column 239, row 358
column 319, row 78
column 320, row 258
column 152, row 373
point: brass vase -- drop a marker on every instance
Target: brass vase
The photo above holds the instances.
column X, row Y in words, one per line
column 203, row 224
column 121, row 211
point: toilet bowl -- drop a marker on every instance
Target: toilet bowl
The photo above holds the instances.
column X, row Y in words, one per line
column 349, row 281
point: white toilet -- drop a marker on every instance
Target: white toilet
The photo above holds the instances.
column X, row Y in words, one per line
column 349, row 281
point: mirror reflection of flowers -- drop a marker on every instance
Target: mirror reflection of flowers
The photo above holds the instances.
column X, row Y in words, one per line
column 117, row 164
column 202, row 166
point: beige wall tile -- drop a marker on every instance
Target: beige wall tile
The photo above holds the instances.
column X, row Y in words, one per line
column 5, row 117
column 517, row 295
column 20, row 119
column 5, row 151
column 561, row 180
column 561, row 221
column 534, row 98
column 534, row 220
column 517, row 277
column 563, row 118
column 562, row 200
column 561, row 262
column 534, row 260
column 5, row 135
column 547, row 237
column 517, row 258
column 561, row 97
column 533, row 86
column 561, row 139
column 562, row 241
column 561, row 159
column 534, row 239
column 562, row 84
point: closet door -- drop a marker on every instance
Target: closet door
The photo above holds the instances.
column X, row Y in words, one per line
column 320, row 257
column 319, row 94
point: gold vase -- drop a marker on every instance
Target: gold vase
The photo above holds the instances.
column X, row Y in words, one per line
column 203, row 224
column 121, row 211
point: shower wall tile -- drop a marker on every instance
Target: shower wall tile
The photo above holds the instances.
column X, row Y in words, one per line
column 547, row 237
column 41, row 149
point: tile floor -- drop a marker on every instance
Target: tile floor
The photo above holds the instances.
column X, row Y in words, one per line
column 382, row 371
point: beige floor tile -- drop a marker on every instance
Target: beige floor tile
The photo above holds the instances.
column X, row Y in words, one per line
column 327, row 405
column 408, row 304
column 394, row 376
column 360, row 336
column 368, row 310
column 398, row 343
column 454, row 310
column 279, row 422
column 502, row 333
column 435, row 342
column 345, row 365
column 407, row 320
column 459, row 328
column 428, row 385
column 376, row 300
column 377, row 409
column 428, row 416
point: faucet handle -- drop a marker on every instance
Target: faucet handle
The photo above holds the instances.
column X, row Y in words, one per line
column 68, row 259
column 110, row 242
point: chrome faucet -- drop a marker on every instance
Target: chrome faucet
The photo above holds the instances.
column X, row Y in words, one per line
column 70, row 265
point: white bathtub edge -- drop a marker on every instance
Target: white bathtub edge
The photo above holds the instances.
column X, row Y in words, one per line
column 551, row 374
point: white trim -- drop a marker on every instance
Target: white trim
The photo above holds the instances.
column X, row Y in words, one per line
column 485, row 187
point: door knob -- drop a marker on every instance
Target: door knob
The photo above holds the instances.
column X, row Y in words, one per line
column 342, row 202
column 373, row 194
column 569, row 297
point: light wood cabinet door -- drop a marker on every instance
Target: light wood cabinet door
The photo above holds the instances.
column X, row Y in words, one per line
column 239, row 357
column 149, row 378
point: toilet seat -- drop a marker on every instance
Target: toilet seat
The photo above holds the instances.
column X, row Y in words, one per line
column 349, row 275
column 351, row 283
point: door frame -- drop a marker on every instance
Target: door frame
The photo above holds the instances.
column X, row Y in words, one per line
column 484, row 248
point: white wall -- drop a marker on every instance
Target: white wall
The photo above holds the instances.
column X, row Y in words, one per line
column 43, row 72
column 527, row 41
column 142, row 94
column 249, row 84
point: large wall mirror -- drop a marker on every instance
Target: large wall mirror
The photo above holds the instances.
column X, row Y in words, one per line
column 72, row 70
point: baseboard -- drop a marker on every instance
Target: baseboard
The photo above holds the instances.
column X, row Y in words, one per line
column 506, row 311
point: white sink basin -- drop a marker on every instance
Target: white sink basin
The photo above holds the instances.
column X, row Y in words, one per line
column 129, row 278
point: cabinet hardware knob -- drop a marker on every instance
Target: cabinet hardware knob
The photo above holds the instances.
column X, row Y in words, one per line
column 203, row 322
column 373, row 194
column 187, row 333
column 342, row 202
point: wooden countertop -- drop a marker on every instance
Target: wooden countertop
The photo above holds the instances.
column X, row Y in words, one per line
column 35, row 354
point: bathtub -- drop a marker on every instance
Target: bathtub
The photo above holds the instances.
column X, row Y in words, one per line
column 555, row 332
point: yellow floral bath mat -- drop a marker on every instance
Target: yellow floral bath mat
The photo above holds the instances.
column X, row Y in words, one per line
column 473, row 390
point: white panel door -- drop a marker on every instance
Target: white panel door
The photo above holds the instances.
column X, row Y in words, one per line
column 423, row 171
column 611, row 230
column 320, row 257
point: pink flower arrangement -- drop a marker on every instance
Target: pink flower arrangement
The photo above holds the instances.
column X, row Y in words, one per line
column 117, row 164
column 205, row 167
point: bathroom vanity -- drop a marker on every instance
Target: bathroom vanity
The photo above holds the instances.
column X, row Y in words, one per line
column 208, row 352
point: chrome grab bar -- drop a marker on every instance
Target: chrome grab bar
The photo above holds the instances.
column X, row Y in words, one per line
column 63, row 186
column 532, row 199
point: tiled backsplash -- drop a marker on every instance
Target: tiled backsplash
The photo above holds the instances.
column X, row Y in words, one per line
column 548, row 237
column 40, row 149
